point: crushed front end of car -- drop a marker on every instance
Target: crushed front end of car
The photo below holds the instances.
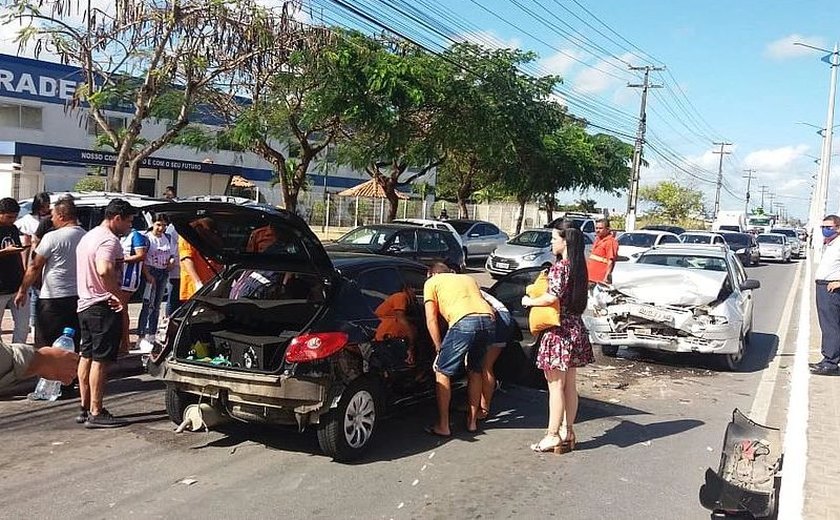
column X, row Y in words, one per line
column 665, row 308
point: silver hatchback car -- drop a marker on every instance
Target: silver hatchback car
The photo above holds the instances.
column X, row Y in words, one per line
column 479, row 238
column 531, row 248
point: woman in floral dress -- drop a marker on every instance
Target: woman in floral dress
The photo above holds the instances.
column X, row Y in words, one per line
column 566, row 347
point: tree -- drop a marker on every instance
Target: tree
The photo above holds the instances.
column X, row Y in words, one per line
column 390, row 111
column 293, row 97
column 671, row 201
column 157, row 58
column 488, row 117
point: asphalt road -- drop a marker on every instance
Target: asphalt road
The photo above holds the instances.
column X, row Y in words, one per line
column 648, row 427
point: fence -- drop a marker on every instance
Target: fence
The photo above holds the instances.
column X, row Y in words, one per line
column 334, row 214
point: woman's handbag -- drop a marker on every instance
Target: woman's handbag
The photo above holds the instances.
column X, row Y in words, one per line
column 546, row 316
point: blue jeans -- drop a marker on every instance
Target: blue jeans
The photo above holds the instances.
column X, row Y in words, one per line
column 468, row 336
column 174, row 296
column 148, row 322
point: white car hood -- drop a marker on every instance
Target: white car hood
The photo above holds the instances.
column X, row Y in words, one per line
column 661, row 285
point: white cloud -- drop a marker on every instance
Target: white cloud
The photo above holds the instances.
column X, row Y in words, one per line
column 489, row 39
column 775, row 160
column 593, row 81
column 784, row 48
column 560, row 62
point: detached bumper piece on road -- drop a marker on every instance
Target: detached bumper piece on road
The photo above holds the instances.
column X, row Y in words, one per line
column 748, row 478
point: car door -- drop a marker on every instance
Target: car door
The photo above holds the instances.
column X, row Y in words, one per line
column 431, row 247
column 403, row 244
column 477, row 240
column 517, row 362
column 737, row 276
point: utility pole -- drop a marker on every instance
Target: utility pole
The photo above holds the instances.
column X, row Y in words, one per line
column 720, row 175
column 763, row 191
column 633, row 195
column 749, row 177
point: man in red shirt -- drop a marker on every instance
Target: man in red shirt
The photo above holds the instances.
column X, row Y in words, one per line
column 604, row 252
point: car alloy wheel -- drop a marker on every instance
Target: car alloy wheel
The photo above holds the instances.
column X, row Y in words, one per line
column 359, row 418
column 346, row 431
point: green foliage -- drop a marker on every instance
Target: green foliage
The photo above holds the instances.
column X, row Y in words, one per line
column 90, row 183
column 672, row 202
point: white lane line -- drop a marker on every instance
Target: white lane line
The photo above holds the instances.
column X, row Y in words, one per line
column 770, row 376
column 792, row 493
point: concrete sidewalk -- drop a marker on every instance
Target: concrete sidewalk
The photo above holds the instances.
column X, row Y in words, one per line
column 822, row 474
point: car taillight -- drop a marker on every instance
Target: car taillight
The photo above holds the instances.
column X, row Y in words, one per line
column 311, row 347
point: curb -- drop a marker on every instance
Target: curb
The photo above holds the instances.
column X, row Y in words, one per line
column 128, row 365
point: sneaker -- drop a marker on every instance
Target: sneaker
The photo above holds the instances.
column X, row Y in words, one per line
column 103, row 419
column 83, row 415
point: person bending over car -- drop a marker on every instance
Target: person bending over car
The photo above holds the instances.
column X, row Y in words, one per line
column 457, row 298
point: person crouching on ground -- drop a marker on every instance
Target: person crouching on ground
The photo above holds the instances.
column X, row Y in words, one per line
column 566, row 347
column 457, row 298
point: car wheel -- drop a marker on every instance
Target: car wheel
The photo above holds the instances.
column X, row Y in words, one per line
column 609, row 350
column 346, row 431
column 732, row 362
column 177, row 402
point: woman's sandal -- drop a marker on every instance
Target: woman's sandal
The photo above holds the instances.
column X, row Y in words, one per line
column 551, row 442
column 566, row 445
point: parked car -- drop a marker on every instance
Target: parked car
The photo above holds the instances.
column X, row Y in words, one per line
column 774, row 246
column 531, row 248
column 288, row 333
column 90, row 206
column 701, row 237
column 677, row 230
column 405, row 241
column 797, row 247
column 479, row 238
column 744, row 246
column 581, row 221
column 430, row 223
column 711, row 313
column 632, row 243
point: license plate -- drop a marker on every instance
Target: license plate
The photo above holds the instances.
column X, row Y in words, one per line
column 651, row 313
column 502, row 265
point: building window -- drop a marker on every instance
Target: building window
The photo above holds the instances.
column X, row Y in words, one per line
column 116, row 123
column 20, row 116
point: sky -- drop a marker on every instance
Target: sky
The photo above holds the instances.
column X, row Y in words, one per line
column 732, row 75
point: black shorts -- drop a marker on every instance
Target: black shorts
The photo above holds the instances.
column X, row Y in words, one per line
column 52, row 315
column 101, row 332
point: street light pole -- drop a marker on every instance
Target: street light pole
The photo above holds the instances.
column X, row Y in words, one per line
column 821, row 191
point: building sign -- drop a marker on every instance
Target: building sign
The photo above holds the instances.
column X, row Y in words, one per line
column 34, row 80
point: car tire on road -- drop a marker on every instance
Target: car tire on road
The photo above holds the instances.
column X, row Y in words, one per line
column 346, row 431
column 177, row 402
column 609, row 350
column 732, row 362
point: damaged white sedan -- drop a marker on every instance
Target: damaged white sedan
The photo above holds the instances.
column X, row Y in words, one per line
column 677, row 299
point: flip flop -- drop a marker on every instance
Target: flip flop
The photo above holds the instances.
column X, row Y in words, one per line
column 431, row 431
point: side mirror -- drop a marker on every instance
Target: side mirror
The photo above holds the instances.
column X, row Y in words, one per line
column 750, row 284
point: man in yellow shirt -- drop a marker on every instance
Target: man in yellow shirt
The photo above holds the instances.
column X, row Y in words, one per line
column 457, row 298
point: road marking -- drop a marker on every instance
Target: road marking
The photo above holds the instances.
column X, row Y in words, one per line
column 792, row 493
column 770, row 376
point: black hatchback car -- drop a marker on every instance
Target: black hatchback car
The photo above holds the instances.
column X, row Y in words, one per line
column 289, row 334
column 425, row 245
column 744, row 246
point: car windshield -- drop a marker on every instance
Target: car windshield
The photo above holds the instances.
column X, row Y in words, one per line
column 532, row 239
column 691, row 238
column 637, row 239
column 769, row 239
column 789, row 232
column 738, row 240
column 706, row 263
column 461, row 226
column 367, row 236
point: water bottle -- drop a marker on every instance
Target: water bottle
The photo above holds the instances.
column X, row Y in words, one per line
column 47, row 390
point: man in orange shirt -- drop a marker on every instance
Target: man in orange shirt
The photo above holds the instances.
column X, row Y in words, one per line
column 196, row 270
column 457, row 298
column 601, row 260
